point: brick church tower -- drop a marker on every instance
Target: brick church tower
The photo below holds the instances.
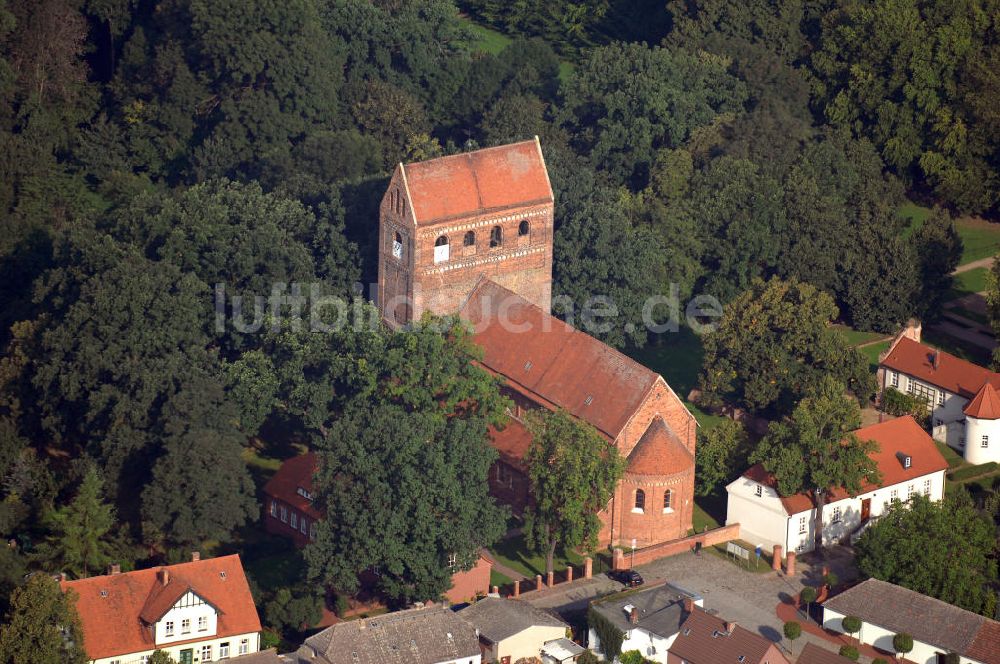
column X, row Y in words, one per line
column 447, row 223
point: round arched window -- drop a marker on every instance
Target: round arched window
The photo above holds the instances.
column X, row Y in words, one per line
column 470, row 239
column 640, row 499
column 496, row 237
column 523, row 227
column 441, row 249
column 397, row 246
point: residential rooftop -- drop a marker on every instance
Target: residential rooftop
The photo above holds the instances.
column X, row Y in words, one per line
column 498, row 619
column 660, row 609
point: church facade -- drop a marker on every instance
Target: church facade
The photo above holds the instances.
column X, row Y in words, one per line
column 472, row 234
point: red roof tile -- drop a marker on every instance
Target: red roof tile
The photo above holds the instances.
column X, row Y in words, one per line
column 512, row 441
column 112, row 624
column 703, row 639
column 659, row 452
column 985, row 405
column 477, row 182
column 986, row 646
column 295, row 473
column 563, row 366
column 951, row 373
column 901, row 435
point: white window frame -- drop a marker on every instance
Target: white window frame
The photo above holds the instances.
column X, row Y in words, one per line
column 202, row 623
column 274, row 508
column 894, row 379
column 244, row 646
column 442, row 252
column 910, row 490
column 759, row 491
column 893, row 495
column 941, row 396
column 224, row 650
column 985, row 443
column 284, row 514
column 803, row 525
column 294, row 520
column 206, row 652
column 185, row 626
column 927, row 487
column 836, row 516
column 168, row 628
column 302, row 525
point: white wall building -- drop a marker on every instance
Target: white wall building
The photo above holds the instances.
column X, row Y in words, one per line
column 510, row 629
column 649, row 619
column 937, row 628
column 961, row 396
column 197, row 612
column 907, row 460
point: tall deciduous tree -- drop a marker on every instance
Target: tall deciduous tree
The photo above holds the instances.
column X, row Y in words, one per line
column 814, row 450
column 943, row 549
column 42, row 626
column 718, row 456
column 938, row 248
column 403, row 470
column 80, row 531
column 773, row 343
column 573, row 473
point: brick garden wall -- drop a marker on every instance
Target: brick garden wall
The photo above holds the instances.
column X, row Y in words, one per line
column 624, row 559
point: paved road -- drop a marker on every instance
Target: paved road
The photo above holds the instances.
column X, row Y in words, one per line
column 748, row 598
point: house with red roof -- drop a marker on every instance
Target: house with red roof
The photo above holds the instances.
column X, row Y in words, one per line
column 289, row 512
column 705, row 638
column 907, row 459
column 471, row 234
column 961, row 396
column 199, row 611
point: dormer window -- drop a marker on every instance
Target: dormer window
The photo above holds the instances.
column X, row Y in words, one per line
column 905, row 459
column 305, row 494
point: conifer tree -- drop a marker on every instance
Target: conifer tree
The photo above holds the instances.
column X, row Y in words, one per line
column 80, row 531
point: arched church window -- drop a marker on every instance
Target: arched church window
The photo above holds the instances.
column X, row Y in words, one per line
column 523, row 227
column 470, row 239
column 640, row 499
column 496, row 237
column 668, row 499
column 441, row 249
column 397, row 247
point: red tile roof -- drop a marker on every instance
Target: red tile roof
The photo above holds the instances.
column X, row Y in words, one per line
column 294, row 473
column 545, row 357
column 659, row 452
column 986, row 646
column 512, row 441
column 703, row 639
column 951, row 373
column 985, row 405
column 112, row 624
column 479, row 182
column 901, row 435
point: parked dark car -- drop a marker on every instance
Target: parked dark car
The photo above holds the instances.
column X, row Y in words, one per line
column 629, row 577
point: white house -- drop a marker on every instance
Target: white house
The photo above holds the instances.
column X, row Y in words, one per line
column 907, row 460
column 434, row 635
column 649, row 619
column 937, row 628
column 200, row 611
column 510, row 629
column 962, row 396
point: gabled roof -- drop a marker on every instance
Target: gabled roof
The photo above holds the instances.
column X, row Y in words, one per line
column 163, row 597
column 498, row 619
column 660, row 609
column 481, row 182
column 415, row 636
column 111, row 606
column 813, row 654
column 985, row 405
column 659, row 452
column 704, row 639
column 938, row 368
column 929, row 620
column 294, row 473
column 895, row 438
column 555, row 362
column 512, row 442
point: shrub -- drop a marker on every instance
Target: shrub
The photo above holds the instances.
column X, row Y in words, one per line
column 340, row 605
column 831, row 579
column 611, row 637
column 807, row 595
column 793, row 630
column 902, row 643
column 632, row 657
column 850, row 652
column 587, row 657
column 851, row 624
column 896, row 403
column 269, row 639
column 880, row 660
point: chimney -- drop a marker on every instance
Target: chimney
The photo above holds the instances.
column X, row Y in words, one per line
column 633, row 616
column 688, row 605
column 730, row 626
column 114, row 568
column 936, row 358
column 195, row 556
column 61, row 576
column 163, row 576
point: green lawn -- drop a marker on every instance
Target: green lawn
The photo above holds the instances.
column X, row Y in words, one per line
column 275, row 571
column 972, row 315
column 701, row 516
column 971, row 281
column 857, row 337
column 872, row 352
column 489, row 40
column 515, row 554
column 980, row 239
column 953, row 458
column 949, row 345
column 677, row 357
column 499, row 579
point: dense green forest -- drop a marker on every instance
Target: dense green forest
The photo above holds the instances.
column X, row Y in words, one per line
column 150, row 149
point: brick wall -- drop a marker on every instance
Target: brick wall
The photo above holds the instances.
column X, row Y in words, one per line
column 470, row 583
column 686, row 544
column 660, row 401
